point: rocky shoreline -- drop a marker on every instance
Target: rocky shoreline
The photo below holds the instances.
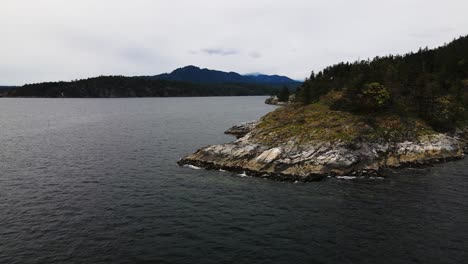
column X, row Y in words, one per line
column 316, row 160
column 242, row 129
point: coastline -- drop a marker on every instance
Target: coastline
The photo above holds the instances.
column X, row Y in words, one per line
column 312, row 162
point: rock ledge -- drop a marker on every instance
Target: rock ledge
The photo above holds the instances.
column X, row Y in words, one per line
column 293, row 162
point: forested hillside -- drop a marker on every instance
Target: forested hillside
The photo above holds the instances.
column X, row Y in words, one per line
column 120, row 86
column 429, row 84
column 206, row 76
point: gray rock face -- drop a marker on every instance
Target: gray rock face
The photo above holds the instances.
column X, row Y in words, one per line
column 242, row 129
column 293, row 162
column 274, row 101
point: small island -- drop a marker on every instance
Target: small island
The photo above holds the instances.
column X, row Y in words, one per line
column 358, row 119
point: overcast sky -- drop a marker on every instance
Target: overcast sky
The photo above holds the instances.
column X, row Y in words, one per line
column 45, row 40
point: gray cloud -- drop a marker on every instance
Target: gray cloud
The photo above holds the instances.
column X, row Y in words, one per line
column 255, row 54
column 81, row 38
column 220, row 52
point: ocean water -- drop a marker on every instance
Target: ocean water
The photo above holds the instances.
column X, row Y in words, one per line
column 96, row 181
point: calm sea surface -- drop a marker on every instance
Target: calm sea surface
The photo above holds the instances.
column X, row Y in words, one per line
column 96, row 181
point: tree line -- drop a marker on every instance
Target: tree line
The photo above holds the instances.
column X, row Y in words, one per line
column 121, row 86
column 430, row 84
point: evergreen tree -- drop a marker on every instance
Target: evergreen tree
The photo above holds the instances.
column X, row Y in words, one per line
column 283, row 95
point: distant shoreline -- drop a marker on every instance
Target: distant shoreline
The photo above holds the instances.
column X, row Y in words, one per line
column 123, row 87
column 134, row 97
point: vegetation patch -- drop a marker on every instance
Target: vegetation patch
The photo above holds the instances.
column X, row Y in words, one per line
column 318, row 122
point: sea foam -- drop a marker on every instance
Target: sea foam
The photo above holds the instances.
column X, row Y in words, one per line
column 193, row 167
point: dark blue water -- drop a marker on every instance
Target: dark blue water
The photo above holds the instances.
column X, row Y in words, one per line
column 96, row 181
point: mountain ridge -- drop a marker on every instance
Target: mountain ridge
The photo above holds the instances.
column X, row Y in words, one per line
column 196, row 74
column 185, row 81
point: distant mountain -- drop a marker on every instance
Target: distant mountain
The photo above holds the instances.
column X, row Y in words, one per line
column 272, row 79
column 206, row 76
column 186, row 81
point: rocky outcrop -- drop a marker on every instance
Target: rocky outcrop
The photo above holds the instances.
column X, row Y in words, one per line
column 273, row 100
column 293, row 162
column 241, row 129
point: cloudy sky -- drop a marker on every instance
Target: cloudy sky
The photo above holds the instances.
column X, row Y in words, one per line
column 43, row 40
